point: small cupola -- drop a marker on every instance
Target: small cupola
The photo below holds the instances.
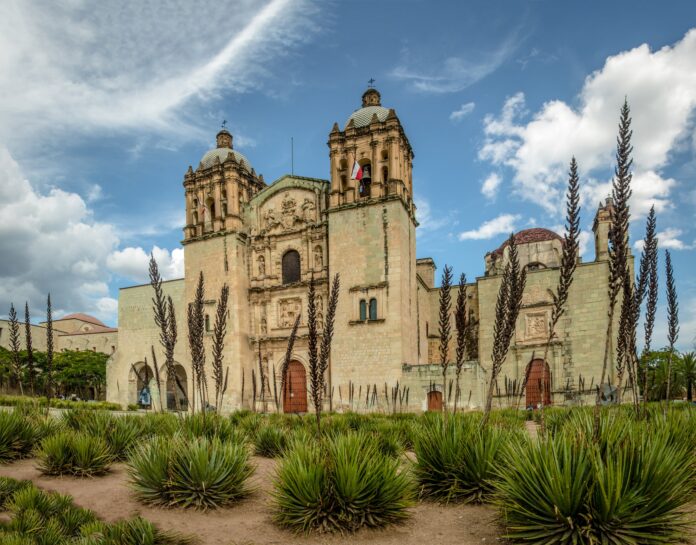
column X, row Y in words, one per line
column 224, row 139
column 371, row 97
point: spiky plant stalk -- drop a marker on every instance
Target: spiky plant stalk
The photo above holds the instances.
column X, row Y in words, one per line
column 30, row 350
column 262, row 378
column 196, row 332
column 315, row 384
column 618, row 238
column 507, row 310
column 164, row 321
column 49, row 353
column 328, row 331
column 461, row 324
column 672, row 319
column 649, row 256
column 288, row 356
column 569, row 261
column 15, row 347
column 155, row 368
column 444, row 328
column 219, row 332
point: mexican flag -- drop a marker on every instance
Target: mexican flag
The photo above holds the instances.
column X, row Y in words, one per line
column 357, row 172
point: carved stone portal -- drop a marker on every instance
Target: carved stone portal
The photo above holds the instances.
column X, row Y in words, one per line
column 536, row 326
column 288, row 311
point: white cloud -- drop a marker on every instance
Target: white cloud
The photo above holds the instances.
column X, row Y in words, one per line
column 661, row 89
column 464, row 110
column 669, row 239
column 503, row 224
column 454, row 73
column 133, row 263
column 490, row 185
column 49, row 242
column 67, row 65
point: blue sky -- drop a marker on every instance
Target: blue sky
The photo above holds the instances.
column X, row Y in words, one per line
column 102, row 111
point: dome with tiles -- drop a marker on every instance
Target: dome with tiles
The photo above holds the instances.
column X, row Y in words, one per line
column 370, row 106
column 222, row 152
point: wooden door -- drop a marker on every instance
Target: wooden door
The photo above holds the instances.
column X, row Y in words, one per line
column 295, row 395
column 434, row 400
column 538, row 379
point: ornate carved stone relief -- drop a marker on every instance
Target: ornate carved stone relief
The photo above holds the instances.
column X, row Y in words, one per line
column 288, row 311
column 535, row 326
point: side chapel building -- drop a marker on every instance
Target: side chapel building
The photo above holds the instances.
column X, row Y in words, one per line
column 266, row 241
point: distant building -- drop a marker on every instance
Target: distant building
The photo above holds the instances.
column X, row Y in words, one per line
column 266, row 241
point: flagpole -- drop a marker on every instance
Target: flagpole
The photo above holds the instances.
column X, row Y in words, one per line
column 292, row 156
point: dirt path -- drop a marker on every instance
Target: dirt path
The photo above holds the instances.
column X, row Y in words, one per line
column 250, row 522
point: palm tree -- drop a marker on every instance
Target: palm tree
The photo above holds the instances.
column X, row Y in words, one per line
column 687, row 369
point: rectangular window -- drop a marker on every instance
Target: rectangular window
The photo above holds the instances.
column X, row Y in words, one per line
column 373, row 309
column 363, row 310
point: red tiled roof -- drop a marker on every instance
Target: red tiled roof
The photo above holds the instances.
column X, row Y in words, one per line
column 82, row 317
column 527, row 236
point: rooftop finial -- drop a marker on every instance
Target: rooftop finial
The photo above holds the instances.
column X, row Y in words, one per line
column 370, row 83
column 224, row 124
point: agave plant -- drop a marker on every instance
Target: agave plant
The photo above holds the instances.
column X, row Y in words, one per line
column 456, row 458
column 340, row 484
column 74, row 453
column 129, row 532
column 566, row 490
column 270, row 441
column 199, row 473
column 18, row 435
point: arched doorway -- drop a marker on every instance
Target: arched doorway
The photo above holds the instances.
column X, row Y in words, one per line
column 295, row 394
column 434, row 400
column 140, row 381
column 538, row 379
column 177, row 385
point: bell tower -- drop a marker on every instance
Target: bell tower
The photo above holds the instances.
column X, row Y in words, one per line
column 372, row 244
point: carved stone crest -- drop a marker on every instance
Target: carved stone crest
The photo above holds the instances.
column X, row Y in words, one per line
column 289, row 217
column 536, row 326
column 288, row 311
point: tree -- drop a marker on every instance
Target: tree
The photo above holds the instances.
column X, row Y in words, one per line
column 445, row 329
column 507, row 309
column 687, row 370
column 656, row 364
column 618, row 239
column 672, row 318
column 81, row 372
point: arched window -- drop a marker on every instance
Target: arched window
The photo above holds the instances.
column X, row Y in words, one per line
column 363, row 310
column 373, row 309
column 291, row 267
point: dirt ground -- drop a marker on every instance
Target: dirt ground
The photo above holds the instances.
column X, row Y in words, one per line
column 250, row 522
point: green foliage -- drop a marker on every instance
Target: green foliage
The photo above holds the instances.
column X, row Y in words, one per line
column 18, row 435
column 270, row 441
column 200, row 473
column 74, row 453
column 456, row 458
column 120, row 433
column 40, row 402
column 210, row 426
column 630, row 487
column 45, row 518
column 341, row 483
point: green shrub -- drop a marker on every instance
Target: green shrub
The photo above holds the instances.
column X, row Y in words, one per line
column 74, row 453
column 210, row 426
column 133, row 407
column 18, row 434
column 200, row 473
column 342, row 483
column 565, row 490
column 8, row 487
column 40, row 402
column 270, row 441
column 46, row 518
column 456, row 459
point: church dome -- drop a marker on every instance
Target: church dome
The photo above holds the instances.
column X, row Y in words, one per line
column 370, row 106
column 223, row 150
column 208, row 159
column 528, row 236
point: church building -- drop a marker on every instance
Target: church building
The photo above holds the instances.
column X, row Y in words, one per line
column 266, row 241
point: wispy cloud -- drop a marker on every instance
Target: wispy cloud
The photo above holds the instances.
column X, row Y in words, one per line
column 490, row 186
column 455, row 72
column 461, row 112
column 503, row 224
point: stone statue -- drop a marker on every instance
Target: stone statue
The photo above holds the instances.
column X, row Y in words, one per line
column 262, row 265
column 318, row 258
column 264, row 326
column 308, row 209
column 270, row 219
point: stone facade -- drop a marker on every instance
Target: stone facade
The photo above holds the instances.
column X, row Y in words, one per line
column 266, row 241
